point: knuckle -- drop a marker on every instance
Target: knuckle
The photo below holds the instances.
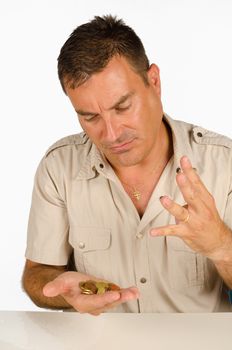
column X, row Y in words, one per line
column 171, row 231
column 182, row 211
column 209, row 215
column 197, row 181
column 199, row 226
column 191, row 195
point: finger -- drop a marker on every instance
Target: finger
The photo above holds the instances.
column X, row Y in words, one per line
column 129, row 294
column 96, row 312
column 95, row 304
column 55, row 288
column 190, row 194
column 193, row 177
column 126, row 295
column 107, row 307
column 170, row 230
column 179, row 212
column 89, row 303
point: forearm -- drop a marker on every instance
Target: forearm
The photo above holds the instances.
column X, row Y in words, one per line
column 224, row 262
column 225, row 271
column 35, row 278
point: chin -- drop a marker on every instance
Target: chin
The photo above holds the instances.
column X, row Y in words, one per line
column 127, row 160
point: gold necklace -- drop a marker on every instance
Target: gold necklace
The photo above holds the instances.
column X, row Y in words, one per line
column 136, row 193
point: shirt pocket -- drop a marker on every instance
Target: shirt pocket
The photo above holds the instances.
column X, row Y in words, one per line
column 91, row 250
column 186, row 266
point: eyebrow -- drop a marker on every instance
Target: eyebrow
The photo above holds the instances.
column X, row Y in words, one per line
column 121, row 100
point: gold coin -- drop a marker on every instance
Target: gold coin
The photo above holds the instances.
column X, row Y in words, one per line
column 102, row 287
column 97, row 287
column 113, row 287
column 88, row 287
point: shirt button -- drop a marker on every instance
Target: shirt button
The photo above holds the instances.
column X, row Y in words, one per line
column 81, row 245
column 139, row 235
column 101, row 165
column 143, row 280
column 199, row 134
column 178, row 170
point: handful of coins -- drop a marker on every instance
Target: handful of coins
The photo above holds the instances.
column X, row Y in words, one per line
column 97, row 287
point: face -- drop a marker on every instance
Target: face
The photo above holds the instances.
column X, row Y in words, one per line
column 120, row 113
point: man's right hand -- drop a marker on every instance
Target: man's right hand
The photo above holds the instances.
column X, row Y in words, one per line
column 67, row 286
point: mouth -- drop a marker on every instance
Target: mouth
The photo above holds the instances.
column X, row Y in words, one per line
column 124, row 147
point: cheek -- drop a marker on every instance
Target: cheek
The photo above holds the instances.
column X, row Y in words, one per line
column 137, row 115
column 141, row 117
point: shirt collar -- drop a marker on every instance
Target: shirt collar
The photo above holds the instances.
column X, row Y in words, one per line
column 96, row 163
column 181, row 136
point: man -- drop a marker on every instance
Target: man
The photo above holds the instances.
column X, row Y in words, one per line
column 138, row 199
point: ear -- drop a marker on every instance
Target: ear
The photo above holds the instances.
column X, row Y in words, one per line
column 153, row 74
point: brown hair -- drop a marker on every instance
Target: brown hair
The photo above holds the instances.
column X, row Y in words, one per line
column 91, row 46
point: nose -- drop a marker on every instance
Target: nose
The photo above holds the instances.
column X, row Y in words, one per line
column 112, row 129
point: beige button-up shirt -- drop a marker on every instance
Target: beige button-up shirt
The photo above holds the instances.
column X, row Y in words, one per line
column 80, row 206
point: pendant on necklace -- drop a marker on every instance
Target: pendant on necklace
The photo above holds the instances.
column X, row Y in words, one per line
column 137, row 194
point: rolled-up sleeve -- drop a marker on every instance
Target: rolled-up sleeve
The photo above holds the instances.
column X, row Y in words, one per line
column 48, row 227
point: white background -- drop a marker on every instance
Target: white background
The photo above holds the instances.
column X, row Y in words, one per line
column 189, row 40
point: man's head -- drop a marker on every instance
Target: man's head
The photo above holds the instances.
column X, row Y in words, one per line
column 92, row 45
column 114, row 91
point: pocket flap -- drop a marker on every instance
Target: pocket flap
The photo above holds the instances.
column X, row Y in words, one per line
column 89, row 238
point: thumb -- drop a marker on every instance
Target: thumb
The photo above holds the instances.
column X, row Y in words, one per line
column 55, row 288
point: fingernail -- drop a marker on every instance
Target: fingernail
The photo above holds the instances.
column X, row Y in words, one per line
column 48, row 291
column 166, row 200
column 186, row 160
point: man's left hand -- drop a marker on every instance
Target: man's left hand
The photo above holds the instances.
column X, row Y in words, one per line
column 198, row 222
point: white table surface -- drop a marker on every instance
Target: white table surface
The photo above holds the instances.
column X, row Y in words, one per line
column 114, row 331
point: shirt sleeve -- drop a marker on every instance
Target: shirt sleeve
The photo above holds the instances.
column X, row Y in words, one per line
column 48, row 227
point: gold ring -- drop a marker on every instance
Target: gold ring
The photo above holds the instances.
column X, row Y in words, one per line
column 186, row 219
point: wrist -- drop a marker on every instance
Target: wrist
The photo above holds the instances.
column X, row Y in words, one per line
column 222, row 256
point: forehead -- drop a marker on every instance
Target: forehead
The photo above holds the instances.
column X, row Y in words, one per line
column 117, row 79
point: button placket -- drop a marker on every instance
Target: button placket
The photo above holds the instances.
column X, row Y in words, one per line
column 141, row 268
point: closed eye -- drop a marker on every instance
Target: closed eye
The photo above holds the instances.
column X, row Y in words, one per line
column 86, row 116
column 90, row 118
column 122, row 109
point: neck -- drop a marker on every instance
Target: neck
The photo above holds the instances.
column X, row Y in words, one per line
column 154, row 162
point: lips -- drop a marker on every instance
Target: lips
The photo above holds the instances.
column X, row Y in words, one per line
column 122, row 147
